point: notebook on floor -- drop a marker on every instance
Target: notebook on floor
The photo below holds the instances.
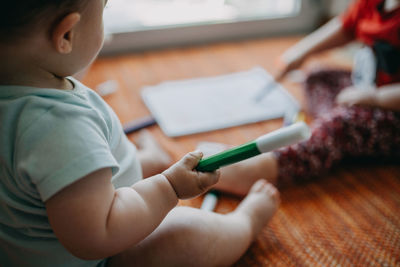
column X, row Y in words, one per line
column 198, row 105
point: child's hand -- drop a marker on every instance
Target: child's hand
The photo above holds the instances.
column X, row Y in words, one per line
column 188, row 182
column 289, row 61
column 354, row 96
column 285, row 67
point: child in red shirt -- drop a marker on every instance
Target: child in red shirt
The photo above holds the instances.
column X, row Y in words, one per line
column 350, row 122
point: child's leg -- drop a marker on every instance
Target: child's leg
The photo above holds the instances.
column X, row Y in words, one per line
column 351, row 132
column 152, row 157
column 238, row 178
column 192, row 237
column 343, row 132
column 346, row 132
column 321, row 88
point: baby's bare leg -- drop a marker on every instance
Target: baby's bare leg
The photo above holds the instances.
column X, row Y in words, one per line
column 238, row 178
column 152, row 157
column 192, row 237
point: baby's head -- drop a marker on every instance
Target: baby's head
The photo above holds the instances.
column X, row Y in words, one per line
column 65, row 35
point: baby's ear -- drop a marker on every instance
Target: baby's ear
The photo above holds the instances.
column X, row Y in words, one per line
column 62, row 35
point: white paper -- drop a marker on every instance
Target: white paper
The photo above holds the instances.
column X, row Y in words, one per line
column 198, row 105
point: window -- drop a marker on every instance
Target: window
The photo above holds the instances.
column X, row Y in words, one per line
column 144, row 24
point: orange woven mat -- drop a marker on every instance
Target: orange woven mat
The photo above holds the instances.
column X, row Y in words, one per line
column 353, row 220
column 349, row 218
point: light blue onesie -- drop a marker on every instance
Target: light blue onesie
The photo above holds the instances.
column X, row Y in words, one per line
column 49, row 139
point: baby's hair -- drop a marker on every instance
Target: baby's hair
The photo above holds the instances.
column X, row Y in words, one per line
column 19, row 18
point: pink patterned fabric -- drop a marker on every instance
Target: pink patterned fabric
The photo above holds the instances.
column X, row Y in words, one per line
column 338, row 132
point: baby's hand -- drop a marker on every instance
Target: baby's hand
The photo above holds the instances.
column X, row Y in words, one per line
column 186, row 181
column 354, row 96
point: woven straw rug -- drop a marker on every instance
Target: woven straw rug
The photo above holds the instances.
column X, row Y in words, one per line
column 349, row 218
column 353, row 220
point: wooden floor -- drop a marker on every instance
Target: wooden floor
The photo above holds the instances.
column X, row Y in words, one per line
column 349, row 218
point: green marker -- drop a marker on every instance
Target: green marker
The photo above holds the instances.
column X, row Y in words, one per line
column 283, row 137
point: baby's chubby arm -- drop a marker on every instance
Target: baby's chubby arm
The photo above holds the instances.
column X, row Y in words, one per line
column 387, row 97
column 93, row 220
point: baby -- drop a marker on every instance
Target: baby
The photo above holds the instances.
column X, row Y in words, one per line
column 71, row 187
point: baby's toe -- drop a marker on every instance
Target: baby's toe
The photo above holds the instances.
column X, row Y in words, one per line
column 258, row 186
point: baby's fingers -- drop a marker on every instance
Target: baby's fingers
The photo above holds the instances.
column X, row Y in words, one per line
column 191, row 159
column 207, row 179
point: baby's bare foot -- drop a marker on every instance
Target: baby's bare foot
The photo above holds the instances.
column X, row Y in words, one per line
column 259, row 205
column 153, row 158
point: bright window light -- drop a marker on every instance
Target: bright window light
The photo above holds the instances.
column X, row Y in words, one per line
column 137, row 15
column 136, row 25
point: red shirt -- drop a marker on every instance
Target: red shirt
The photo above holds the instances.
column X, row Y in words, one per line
column 369, row 23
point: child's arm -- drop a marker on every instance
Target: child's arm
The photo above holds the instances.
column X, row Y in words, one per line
column 93, row 220
column 328, row 36
column 387, row 97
